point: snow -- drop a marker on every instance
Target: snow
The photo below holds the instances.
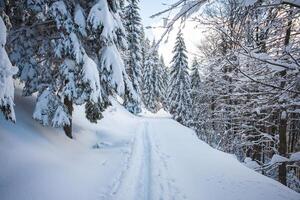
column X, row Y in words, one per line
column 161, row 113
column 60, row 118
column 248, row 162
column 76, row 48
column 99, row 17
column 295, row 156
column 283, row 115
column 91, row 76
column 79, row 20
column 42, row 105
column 278, row 159
column 6, row 73
column 59, row 11
column 2, row 33
column 112, row 62
column 293, row 2
column 249, row 2
column 121, row 158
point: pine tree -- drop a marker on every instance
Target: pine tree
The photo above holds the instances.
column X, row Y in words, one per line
column 165, row 82
column 77, row 78
column 159, row 81
column 145, row 47
column 133, row 59
column 195, row 79
column 197, row 97
column 69, row 55
column 6, row 80
column 152, row 81
column 179, row 92
column 106, row 45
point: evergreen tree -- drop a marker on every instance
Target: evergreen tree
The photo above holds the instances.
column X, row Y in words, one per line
column 179, row 92
column 145, row 47
column 165, row 82
column 197, row 97
column 152, row 81
column 195, row 80
column 106, row 45
column 6, row 80
column 133, row 59
column 69, row 55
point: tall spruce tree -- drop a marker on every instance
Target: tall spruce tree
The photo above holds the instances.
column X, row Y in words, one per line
column 145, row 47
column 133, row 27
column 197, row 98
column 196, row 84
column 165, row 82
column 152, row 81
column 179, row 92
column 107, row 41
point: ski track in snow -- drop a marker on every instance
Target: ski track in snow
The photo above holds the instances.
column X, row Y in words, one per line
column 144, row 174
column 167, row 187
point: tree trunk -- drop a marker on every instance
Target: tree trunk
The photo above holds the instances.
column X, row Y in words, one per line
column 283, row 115
column 282, row 146
column 68, row 128
column 212, row 107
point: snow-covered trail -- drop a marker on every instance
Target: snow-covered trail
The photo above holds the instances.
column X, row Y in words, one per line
column 145, row 172
column 123, row 157
column 167, row 162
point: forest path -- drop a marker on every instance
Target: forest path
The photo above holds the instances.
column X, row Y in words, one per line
column 145, row 171
column 166, row 161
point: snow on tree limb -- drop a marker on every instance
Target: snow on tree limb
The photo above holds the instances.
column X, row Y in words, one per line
column 6, row 79
column 100, row 17
column 112, row 62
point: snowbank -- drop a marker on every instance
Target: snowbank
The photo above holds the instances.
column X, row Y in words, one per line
column 42, row 163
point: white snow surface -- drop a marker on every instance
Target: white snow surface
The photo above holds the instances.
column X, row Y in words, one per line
column 142, row 158
column 278, row 159
column 295, row 156
column 248, row 162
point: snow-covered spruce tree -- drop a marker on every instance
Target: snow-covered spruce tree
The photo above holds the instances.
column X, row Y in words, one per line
column 77, row 77
column 6, row 80
column 196, row 96
column 160, row 84
column 165, row 82
column 145, row 47
column 179, row 90
column 195, row 80
column 69, row 55
column 152, row 83
column 106, row 40
column 133, row 60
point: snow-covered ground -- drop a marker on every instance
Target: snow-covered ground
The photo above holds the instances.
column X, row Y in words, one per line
column 122, row 158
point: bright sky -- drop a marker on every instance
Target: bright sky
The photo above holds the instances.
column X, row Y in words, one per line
column 191, row 34
column 150, row 7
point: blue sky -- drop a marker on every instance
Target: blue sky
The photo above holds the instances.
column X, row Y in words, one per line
column 150, row 7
